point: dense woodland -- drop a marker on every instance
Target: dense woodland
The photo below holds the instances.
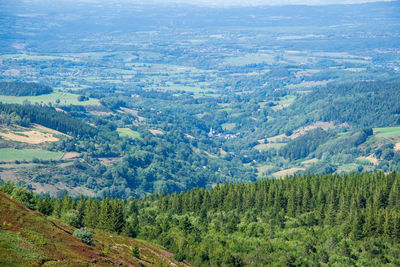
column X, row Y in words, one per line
column 46, row 116
column 185, row 156
column 177, row 120
column 361, row 104
column 24, row 89
column 304, row 220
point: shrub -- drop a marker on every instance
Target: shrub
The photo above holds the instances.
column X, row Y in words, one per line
column 24, row 196
column 7, row 187
column 179, row 256
column 85, row 235
column 135, row 252
column 72, row 218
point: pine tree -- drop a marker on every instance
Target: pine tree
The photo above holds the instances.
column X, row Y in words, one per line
column 396, row 225
column 388, row 224
column 81, row 207
column 66, row 204
column 117, row 216
column 370, row 226
column 45, row 206
column 291, row 206
column 330, row 215
column 106, row 221
column 58, row 204
column 91, row 214
column 357, row 226
column 306, row 202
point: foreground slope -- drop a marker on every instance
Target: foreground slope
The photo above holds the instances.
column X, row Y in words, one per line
column 29, row 238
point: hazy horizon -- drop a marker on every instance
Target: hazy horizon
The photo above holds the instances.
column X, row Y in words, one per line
column 224, row 3
column 264, row 2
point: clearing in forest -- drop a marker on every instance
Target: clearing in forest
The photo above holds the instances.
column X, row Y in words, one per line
column 10, row 154
column 30, row 137
column 126, row 132
column 290, row 171
column 156, row 132
column 387, row 132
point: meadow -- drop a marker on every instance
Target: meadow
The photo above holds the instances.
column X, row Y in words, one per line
column 63, row 98
column 126, row 132
column 387, row 132
column 11, row 154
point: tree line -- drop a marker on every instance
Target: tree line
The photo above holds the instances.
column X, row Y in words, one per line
column 302, row 220
column 24, row 89
column 49, row 117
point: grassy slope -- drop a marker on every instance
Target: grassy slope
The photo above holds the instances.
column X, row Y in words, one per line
column 126, row 132
column 10, row 154
column 27, row 238
column 387, row 131
column 64, row 97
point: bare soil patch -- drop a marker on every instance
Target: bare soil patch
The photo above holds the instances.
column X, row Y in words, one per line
column 71, row 155
column 371, row 158
column 310, row 161
column 156, row 132
column 397, row 147
column 48, row 130
column 109, row 161
column 290, row 171
column 30, row 137
column 319, row 124
column 189, row 136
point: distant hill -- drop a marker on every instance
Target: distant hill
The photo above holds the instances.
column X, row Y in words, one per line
column 24, row 89
column 28, row 238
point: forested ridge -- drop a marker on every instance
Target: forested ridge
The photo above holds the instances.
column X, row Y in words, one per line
column 361, row 104
column 49, row 117
column 259, row 142
column 352, row 219
column 24, row 89
column 230, row 136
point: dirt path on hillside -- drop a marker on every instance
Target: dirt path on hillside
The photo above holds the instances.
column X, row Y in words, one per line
column 165, row 255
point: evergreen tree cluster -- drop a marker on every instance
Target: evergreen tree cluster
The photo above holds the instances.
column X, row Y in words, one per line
column 24, row 89
column 346, row 220
column 361, row 104
column 111, row 215
column 303, row 220
column 49, row 117
column 302, row 146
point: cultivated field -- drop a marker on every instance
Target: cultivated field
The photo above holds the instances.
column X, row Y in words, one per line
column 126, row 132
column 63, row 97
column 11, row 154
column 387, row 132
column 30, row 137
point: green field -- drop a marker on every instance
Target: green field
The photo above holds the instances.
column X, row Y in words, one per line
column 126, row 132
column 10, row 154
column 262, row 147
column 284, row 102
column 228, row 126
column 250, row 59
column 65, row 99
column 36, row 57
column 350, row 167
column 387, row 132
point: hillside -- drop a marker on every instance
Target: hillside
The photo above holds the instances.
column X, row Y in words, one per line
column 24, row 89
column 144, row 101
column 29, row 238
column 306, row 220
column 144, row 145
